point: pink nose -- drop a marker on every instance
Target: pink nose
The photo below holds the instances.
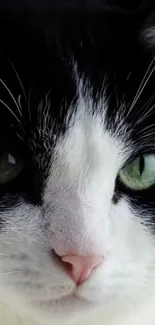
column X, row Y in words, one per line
column 81, row 267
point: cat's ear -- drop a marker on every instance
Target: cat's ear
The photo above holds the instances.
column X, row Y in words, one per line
column 148, row 32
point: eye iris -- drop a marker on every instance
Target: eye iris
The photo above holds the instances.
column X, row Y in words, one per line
column 140, row 173
column 10, row 167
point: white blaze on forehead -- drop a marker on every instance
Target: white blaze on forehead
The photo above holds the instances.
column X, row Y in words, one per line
column 81, row 183
column 87, row 149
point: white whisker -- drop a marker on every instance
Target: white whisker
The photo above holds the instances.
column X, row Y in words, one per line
column 149, row 101
column 142, row 86
column 147, row 128
column 17, row 75
column 29, row 105
column 146, row 114
column 9, row 272
column 1, row 101
column 10, row 93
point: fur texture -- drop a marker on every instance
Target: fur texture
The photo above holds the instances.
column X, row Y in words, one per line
column 77, row 105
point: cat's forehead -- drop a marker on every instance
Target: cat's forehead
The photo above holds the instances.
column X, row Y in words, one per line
column 69, row 63
column 76, row 89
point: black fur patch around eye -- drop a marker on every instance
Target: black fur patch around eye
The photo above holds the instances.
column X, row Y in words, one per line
column 38, row 47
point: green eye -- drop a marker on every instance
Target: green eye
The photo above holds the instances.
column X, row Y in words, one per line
column 10, row 167
column 139, row 174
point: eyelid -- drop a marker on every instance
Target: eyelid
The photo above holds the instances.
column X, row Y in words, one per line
column 128, row 161
column 133, row 158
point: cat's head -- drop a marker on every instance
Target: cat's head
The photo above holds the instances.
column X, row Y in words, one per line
column 77, row 164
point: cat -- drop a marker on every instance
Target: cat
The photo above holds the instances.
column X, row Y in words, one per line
column 77, row 162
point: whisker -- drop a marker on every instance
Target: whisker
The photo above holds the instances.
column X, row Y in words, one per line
column 10, row 93
column 143, row 84
column 145, row 76
column 149, row 101
column 146, row 114
column 29, row 105
column 19, row 102
column 9, row 109
column 143, row 279
column 9, row 272
column 17, row 75
column 146, row 128
column 144, row 108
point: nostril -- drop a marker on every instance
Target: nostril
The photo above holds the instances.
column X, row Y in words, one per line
column 59, row 261
column 80, row 267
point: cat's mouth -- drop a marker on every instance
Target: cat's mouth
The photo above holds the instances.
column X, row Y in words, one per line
column 75, row 296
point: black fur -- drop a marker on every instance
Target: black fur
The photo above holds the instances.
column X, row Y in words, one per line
column 41, row 39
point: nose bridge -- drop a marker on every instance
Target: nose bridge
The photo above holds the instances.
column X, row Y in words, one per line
column 78, row 209
column 77, row 224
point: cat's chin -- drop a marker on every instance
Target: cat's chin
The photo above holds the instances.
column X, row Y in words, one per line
column 74, row 299
column 66, row 308
column 66, row 305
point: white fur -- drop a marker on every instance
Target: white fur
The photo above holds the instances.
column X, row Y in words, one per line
column 78, row 216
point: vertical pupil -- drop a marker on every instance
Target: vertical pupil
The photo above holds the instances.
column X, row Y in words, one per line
column 141, row 165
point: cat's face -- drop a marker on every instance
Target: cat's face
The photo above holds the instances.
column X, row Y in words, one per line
column 77, row 166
